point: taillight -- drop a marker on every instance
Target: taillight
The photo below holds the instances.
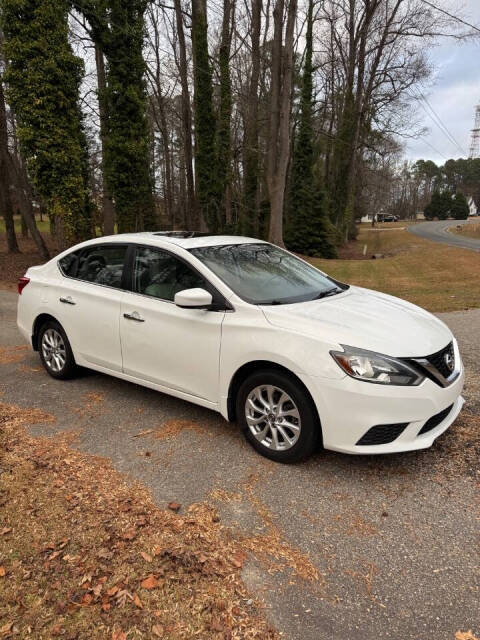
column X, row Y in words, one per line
column 22, row 283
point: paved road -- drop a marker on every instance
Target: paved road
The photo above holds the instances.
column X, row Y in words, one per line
column 437, row 230
column 393, row 538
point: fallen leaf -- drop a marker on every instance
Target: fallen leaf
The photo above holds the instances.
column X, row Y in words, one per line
column 6, row 628
column 4, row 531
column 138, row 602
column 145, row 556
column 157, row 630
column 129, row 535
column 237, row 559
column 465, row 635
column 2, row 572
column 174, row 506
column 119, row 635
column 157, row 550
column 150, row 583
column 122, row 597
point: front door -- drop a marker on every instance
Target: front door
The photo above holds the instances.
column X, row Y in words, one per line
column 162, row 343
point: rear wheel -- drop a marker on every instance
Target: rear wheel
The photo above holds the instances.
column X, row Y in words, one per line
column 55, row 351
column 278, row 416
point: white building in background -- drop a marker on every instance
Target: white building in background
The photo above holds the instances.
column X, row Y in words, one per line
column 472, row 206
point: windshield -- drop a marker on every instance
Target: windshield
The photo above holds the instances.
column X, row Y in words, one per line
column 264, row 274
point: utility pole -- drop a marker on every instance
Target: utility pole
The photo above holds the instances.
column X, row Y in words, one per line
column 475, row 142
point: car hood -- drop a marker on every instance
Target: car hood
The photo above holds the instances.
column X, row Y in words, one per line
column 365, row 319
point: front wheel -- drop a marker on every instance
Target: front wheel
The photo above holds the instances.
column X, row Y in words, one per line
column 278, row 416
column 55, row 351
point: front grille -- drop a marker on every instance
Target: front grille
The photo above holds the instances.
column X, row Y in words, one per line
column 382, row 434
column 435, row 420
column 438, row 360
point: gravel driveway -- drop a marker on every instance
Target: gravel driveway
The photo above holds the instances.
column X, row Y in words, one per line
column 344, row 547
column 437, row 230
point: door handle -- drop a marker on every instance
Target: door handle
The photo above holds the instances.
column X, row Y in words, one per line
column 67, row 300
column 134, row 316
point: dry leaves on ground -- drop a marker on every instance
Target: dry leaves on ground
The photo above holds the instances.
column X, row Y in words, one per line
column 88, row 555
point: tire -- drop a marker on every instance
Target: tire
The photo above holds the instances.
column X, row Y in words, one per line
column 55, row 351
column 289, row 437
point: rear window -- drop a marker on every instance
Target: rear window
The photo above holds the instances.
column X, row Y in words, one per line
column 99, row 264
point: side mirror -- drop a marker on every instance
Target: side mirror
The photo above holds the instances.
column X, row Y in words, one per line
column 193, row 299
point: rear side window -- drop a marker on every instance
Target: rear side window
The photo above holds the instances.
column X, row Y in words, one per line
column 99, row 264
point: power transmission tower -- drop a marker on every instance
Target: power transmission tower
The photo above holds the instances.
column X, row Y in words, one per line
column 475, row 143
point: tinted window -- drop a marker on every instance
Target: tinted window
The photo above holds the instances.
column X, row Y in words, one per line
column 102, row 264
column 161, row 275
column 264, row 274
column 68, row 264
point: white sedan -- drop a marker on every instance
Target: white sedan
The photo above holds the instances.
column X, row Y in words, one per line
column 247, row 329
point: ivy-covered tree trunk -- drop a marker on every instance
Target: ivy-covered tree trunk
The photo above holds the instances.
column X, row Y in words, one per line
column 207, row 186
column 249, row 218
column 108, row 209
column 43, row 80
column 308, row 230
column 127, row 161
column 224, row 142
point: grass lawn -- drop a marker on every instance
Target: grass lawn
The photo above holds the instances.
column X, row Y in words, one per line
column 432, row 275
column 43, row 226
column 469, row 230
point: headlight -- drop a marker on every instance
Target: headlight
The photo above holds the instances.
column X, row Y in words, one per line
column 375, row 367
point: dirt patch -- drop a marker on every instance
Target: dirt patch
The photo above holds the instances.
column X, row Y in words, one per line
column 84, row 554
column 16, row 353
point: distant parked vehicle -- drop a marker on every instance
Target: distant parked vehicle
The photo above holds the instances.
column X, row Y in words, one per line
column 251, row 331
column 388, row 218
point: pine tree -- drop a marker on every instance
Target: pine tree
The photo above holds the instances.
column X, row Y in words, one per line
column 43, row 80
column 439, row 206
column 460, row 209
column 308, row 229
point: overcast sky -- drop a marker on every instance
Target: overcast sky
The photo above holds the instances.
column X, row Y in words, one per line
column 455, row 93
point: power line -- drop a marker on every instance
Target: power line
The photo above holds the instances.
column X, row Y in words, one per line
column 434, row 149
column 450, row 15
column 442, row 124
column 436, row 119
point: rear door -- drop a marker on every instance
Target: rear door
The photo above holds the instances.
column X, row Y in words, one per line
column 88, row 303
column 162, row 343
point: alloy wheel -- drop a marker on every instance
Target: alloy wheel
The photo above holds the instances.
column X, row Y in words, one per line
column 53, row 350
column 273, row 417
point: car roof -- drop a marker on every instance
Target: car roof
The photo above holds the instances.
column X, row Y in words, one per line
column 186, row 240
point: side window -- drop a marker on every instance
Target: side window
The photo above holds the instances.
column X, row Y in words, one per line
column 101, row 264
column 68, row 264
column 158, row 274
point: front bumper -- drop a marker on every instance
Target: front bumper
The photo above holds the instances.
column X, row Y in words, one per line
column 348, row 408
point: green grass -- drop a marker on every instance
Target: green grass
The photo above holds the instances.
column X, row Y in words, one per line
column 432, row 275
column 43, row 226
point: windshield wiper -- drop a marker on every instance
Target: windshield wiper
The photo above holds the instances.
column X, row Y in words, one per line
column 328, row 292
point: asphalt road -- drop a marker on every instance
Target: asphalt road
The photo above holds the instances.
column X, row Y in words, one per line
column 437, row 230
column 393, row 538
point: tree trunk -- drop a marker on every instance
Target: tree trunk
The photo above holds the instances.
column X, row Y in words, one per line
column 249, row 218
column 280, row 106
column 224, row 142
column 191, row 204
column 206, row 180
column 5, row 194
column 108, row 208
